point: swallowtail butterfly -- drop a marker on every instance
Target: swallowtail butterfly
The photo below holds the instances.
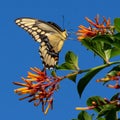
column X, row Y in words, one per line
column 50, row 36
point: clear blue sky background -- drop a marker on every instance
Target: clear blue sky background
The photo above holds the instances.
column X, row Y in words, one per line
column 19, row 52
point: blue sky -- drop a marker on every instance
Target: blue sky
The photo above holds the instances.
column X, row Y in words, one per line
column 19, row 52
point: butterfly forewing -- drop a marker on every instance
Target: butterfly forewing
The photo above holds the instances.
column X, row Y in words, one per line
column 50, row 36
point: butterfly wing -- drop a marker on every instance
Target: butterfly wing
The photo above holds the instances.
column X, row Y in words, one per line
column 50, row 35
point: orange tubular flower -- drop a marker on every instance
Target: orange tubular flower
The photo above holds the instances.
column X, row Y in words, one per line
column 85, row 108
column 39, row 88
column 115, row 78
column 116, row 86
column 95, row 28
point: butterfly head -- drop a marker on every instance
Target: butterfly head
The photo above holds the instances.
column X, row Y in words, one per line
column 65, row 34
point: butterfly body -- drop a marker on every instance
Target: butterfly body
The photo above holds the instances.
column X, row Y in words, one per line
column 50, row 36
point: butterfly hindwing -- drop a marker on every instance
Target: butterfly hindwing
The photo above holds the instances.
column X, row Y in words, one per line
column 49, row 57
column 50, row 36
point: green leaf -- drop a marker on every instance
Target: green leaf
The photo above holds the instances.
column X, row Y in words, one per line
column 116, row 68
column 95, row 46
column 71, row 57
column 111, row 45
column 103, row 108
column 86, row 79
column 73, row 78
column 108, row 54
column 104, row 38
column 114, row 71
column 105, row 46
column 84, row 116
column 116, row 96
column 66, row 66
column 109, row 111
column 101, row 119
column 116, row 36
column 98, row 100
column 90, row 74
column 116, row 40
column 71, row 62
column 115, row 52
column 111, row 40
column 100, row 45
column 117, row 24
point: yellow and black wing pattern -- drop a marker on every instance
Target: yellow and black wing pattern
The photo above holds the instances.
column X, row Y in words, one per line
column 50, row 36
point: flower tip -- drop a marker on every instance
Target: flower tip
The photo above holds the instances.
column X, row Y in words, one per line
column 86, row 18
column 77, row 108
column 15, row 91
column 46, row 111
column 80, row 108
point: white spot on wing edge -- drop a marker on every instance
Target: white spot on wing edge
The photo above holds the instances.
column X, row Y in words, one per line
column 34, row 33
column 39, row 40
column 42, row 32
column 17, row 21
column 43, row 43
column 34, row 28
column 37, row 36
column 39, row 30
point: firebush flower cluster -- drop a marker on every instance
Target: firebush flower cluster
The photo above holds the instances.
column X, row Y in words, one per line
column 39, row 88
column 95, row 28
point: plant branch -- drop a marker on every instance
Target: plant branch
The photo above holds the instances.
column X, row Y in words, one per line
column 90, row 69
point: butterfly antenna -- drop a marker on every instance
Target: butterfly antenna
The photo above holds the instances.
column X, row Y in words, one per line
column 63, row 19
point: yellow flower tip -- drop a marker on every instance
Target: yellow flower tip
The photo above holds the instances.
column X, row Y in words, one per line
column 46, row 111
column 15, row 91
column 87, row 18
column 82, row 27
column 85, row 108
column 23, row 78
column 78, row 33
column 32, row 75
column 36, row 70
column 80, row 38
column 103, row 79
column 81, row 108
